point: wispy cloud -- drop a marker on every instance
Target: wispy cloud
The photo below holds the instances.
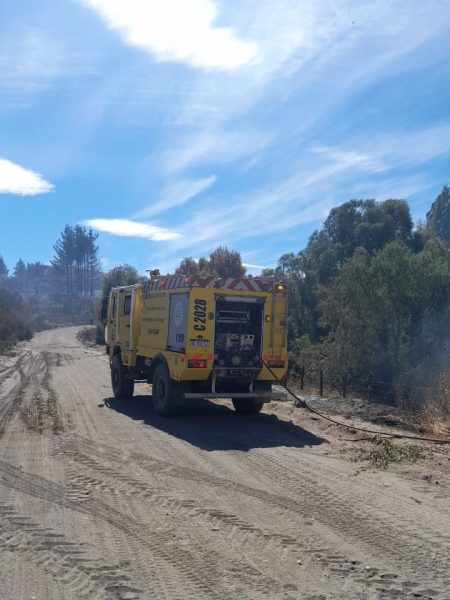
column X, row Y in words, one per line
column 176, row 30
column 127, row 228
column 212, row 147
column 384, row 152
column 15, row 179
column 345, row 159
column 325, row 175
column 250, row 266
column 176, row 194
column 28, row 62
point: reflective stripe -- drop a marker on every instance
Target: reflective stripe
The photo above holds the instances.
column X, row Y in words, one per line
column 252, row 284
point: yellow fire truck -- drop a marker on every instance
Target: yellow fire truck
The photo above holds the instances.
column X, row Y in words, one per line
column 198, row 337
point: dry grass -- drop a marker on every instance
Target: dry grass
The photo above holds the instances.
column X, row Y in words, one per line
column 387, row 452
column 436, row 411
column 87, row 335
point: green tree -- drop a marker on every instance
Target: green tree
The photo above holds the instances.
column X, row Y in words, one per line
column 36, row 277
column 121, row 275
column 222, row 262
column 367, row 224
column 226, row 263
column 3, row 271
column 76, row 259
column 355, row 224
column 188, row 266
column 438, row 217
column 386, row 314
column 19, row 275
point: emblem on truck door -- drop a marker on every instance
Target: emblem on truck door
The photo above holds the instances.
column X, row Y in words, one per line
column 179, row 314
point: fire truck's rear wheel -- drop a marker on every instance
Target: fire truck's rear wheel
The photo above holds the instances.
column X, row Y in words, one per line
column 247, row 406
column 251, row 406
column 122, row 384
column 167, row 394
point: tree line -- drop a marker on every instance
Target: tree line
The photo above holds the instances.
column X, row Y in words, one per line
column 370, row 299
column 73, row 271
column 36, row 295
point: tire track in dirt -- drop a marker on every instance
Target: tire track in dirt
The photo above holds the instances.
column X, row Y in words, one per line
column 249, row 537
column 338, row 508
column 39, row 405
column 353, row 513
column 318, row 502
column 33, row 396
column 111, row 481
column 63, row 560
column 200, row 576
column 8, row 372
column 13, row 399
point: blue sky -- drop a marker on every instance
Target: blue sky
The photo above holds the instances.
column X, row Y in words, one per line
column 172, row 127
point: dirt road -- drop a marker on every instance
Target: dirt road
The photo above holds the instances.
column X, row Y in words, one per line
column 104, row 499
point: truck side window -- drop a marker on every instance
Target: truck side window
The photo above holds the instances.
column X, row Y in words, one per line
column 127, row 305
column 114, row 310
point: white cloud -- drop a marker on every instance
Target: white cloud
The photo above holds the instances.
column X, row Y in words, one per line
column 176, row 30
column 15, row 179
column 176, row 194
column 126, row 228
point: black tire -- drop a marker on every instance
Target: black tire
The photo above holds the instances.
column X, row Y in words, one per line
column 167, row 394
column 247, row 406
column 252, row 406
column 122, row 384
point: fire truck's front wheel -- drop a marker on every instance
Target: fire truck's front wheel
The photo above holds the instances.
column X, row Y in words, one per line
column 166, row 393
column 122, row 384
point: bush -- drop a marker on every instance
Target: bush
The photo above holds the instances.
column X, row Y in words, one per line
column 15, row 319
column 91, row 336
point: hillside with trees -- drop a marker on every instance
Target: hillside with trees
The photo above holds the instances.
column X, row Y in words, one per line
column 370, row 301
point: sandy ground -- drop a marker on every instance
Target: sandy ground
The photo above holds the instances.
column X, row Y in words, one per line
column 104, row 499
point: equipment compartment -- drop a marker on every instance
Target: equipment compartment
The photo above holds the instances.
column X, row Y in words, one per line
column 238, row 331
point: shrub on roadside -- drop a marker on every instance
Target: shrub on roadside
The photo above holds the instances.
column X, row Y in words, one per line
column 15, row 319
column 92, row 335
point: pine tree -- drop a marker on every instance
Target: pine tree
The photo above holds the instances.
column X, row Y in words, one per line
column 76, row 258
column 438, row 217
column 20, row 275
column 3, row 271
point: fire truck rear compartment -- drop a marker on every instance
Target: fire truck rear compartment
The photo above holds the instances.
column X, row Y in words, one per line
column 238, row 335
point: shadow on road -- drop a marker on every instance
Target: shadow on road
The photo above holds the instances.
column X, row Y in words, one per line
column 216, row 427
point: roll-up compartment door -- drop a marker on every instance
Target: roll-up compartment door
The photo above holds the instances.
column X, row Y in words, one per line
column 177, row 322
